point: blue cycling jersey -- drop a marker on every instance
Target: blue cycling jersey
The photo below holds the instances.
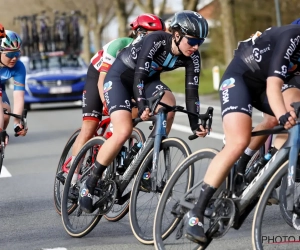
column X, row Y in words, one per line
column 18, row 72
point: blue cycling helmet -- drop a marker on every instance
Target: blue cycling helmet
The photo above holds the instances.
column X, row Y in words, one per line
column 297, row 21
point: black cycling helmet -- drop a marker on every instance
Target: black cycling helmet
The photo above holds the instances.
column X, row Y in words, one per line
column 190, row 23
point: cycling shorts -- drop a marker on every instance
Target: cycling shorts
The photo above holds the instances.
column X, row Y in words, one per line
column 240, row 93
column 91, row 102
column 118, row 90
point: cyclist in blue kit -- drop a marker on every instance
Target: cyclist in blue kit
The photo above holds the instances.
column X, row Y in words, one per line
column 10, row 66
column 137, row 70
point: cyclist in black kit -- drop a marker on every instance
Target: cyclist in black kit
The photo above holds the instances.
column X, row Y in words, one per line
column 93, row 104
column 257, row 141
column 255, row 78
column 136, row 72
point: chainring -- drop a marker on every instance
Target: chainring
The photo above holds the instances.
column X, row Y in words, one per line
column 222, row 218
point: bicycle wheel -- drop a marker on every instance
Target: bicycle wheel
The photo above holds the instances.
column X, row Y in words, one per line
column 119, row 211
column 267, row 223
column 79, row 223
column 287, row 215
column 61, row 174
column 168, row 229
column 143, row 201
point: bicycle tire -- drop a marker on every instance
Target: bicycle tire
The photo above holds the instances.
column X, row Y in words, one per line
column 77, row 231
column 261, row 205
column 1, row 159
column 141, row 229
column 119, row 211
column 166, row 197
column 57, row 193
column 287, row 215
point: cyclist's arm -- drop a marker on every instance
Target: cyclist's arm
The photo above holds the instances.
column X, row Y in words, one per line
column 19, row 75
column 192, row 74
column 278, row 71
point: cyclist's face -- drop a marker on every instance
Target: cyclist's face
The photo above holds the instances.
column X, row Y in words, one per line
column 9, row 59
column 188, row 44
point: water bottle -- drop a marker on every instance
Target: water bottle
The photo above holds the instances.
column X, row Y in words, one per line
column 258, row 165
column 133, row 151
column 120, row 160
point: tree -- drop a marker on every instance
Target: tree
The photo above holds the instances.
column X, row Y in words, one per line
column 123, row 11
column 227, row 28
column 190, row 4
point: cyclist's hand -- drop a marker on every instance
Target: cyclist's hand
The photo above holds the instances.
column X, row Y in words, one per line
column 288, row 120
column 202, row 131
column 146, row 114
column 19, row 129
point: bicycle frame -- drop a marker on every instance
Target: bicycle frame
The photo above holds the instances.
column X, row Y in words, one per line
column 289, row 151
column 153, row 141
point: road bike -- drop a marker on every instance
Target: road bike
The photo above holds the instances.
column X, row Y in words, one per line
column 152, row 166
column 23, row 121
column 229, row 209
column 64, row 164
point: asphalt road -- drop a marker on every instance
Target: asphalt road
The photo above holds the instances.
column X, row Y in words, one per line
column 27, row 216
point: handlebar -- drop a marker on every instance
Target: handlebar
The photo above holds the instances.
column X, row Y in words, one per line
column 23, row 118
column 280, row 128
column 154, row 101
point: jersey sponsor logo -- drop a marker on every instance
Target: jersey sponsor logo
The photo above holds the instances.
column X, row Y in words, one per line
column 258, row 53
column 140, row 86
column 227, row 84
column 83, row 99
column 147, row 66
column 292, row 47
column 225, row 96
column 229, row 108
column 155, row 47
column 133, row 53
column 107, row 86
column 111, row 108
column 196, row 62
column 283, row 71
column 248, row 110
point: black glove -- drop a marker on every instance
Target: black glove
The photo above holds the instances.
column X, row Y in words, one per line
column 141, row 110
column 284, row 118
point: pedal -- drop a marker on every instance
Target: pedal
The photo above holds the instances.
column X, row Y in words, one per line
column 60, row 177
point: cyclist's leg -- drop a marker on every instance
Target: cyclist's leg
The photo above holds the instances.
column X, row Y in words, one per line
column 152, row 89
column 256, row 141
column 91, row 111
column 117, row 98
column 268, row 122
column 236, row 110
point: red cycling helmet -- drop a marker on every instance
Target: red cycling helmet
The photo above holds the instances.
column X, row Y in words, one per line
column 148, row 22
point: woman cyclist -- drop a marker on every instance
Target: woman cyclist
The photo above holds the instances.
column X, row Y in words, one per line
column 256, row 77
column 92, row 98
column 10, row 66
column 136, row 72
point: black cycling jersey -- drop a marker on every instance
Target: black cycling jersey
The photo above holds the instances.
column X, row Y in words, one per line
column 151, row 56
column 276, row 52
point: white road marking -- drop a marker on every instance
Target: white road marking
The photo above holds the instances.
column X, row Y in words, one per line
column 57, row 248
column 4, row 173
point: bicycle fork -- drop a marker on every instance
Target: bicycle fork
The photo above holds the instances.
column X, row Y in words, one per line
column 159, row 134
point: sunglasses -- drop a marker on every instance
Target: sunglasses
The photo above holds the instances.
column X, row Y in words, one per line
column 194, row 41
column 12, row 54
